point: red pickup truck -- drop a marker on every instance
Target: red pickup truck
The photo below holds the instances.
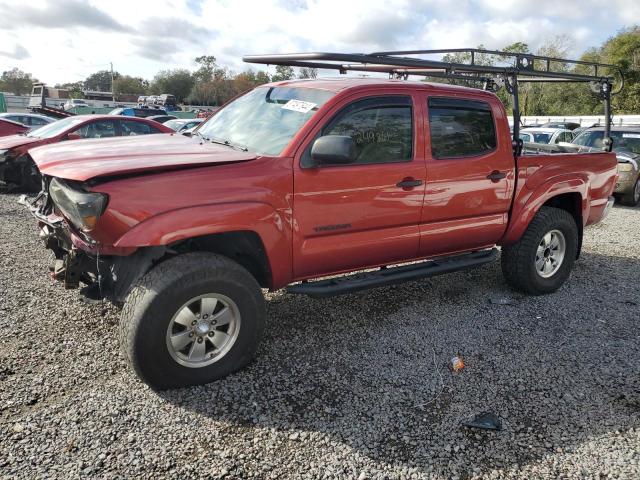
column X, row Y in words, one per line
column 295, row 181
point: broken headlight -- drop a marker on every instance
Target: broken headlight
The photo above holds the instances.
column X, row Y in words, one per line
column 83, row 209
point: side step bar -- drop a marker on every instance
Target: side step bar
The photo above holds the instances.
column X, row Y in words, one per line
column 393, row 275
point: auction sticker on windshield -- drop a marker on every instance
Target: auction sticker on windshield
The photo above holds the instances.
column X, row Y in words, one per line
column 631, row 135
column 299, row 106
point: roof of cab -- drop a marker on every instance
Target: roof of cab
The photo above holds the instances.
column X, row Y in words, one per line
column 337, row 85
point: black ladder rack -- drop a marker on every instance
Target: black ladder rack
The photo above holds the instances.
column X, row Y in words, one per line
column 515, row 68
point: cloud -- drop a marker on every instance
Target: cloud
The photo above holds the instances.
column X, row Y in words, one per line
column 67, row 40
column 174, row 28
column 19, row 53
column 60, row 14
column 156, row 49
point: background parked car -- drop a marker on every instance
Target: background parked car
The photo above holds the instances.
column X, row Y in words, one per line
column 141, row 112
column 626, row 144
column 183, row 124
column 566, row 125
column 32, row 120
column 75, row 102
column 546, row 135
column 162, row 118
column 16, row 167
column 9, row 127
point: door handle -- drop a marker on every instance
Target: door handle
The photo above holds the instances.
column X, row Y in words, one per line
column 496, row 176
column 408, row 183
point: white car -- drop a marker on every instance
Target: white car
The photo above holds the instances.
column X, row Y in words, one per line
column 75, row 102
column 550, row 136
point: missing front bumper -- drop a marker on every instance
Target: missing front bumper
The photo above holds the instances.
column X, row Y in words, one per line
column 109, row 277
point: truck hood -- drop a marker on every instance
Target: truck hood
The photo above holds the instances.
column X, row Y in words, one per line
column 11, row 141
column 86, row 159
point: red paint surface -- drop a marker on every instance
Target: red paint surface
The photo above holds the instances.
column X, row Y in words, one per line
column 21, row 144
column 7, row 127
column 456, row 208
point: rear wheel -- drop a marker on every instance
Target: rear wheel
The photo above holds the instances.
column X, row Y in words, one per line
column 633, row 198
column 192, row 320
column 541, row 261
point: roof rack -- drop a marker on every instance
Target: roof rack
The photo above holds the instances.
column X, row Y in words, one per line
column 513, row 68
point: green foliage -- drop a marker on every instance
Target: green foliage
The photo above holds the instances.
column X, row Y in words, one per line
column 283, row 72
column 178, row 82
column 16, row 81
column 131, row 85
column 308, row 72
column 75, row 89
column 100, row 81
column 205, row 71
column 211, row 84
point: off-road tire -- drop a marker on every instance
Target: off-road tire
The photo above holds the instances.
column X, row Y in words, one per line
column 518, row 259
column 159, row 294
column 628, row 199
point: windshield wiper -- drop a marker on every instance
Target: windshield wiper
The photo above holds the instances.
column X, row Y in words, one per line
column 201, row 135
column 242, row 148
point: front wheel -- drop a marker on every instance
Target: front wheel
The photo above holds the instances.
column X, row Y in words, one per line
column 191, row 320
column 541, row 261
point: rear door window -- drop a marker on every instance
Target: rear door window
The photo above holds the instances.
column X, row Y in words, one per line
column 130, row 128
column 99, row 129
column 460, row 128
column 37, row 121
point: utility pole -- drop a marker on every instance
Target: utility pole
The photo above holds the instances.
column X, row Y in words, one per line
column 113, row 95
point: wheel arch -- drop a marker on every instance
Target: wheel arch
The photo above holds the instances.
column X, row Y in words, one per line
column 245, row 247
column 253, row 234
column 566, row 194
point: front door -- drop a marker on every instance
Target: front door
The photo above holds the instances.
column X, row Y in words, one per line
column 365, row 213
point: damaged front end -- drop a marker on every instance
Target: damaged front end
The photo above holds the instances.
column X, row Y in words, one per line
column 77, row 258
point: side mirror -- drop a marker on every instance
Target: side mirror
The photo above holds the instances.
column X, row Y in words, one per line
column 73, row 136
column 334, row 149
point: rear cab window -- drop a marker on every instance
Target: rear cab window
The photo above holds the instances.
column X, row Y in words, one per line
column 460, row 128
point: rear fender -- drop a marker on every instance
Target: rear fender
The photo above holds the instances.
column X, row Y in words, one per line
column 530, row 201
column 177, row 225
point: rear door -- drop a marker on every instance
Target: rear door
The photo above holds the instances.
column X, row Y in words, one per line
column 470, row 175
column 361, row 214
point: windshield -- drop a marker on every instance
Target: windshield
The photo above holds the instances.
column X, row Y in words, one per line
column 55, row 128
column 622, row 141
column 265, row 119
column 175, row 124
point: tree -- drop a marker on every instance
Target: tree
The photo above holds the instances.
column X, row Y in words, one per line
column 207, row 66
column 623, row 50
column 308, row 72
column 283, row 72
column 100, row 81
column 75, row 89
column 16, row 81
column 131, row 85
column 262, row 78
column 178, row 82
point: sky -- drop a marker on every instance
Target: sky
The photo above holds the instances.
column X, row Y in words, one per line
column 61, row 41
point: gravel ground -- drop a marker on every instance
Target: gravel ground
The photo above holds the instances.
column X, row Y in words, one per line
column 351, row 387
